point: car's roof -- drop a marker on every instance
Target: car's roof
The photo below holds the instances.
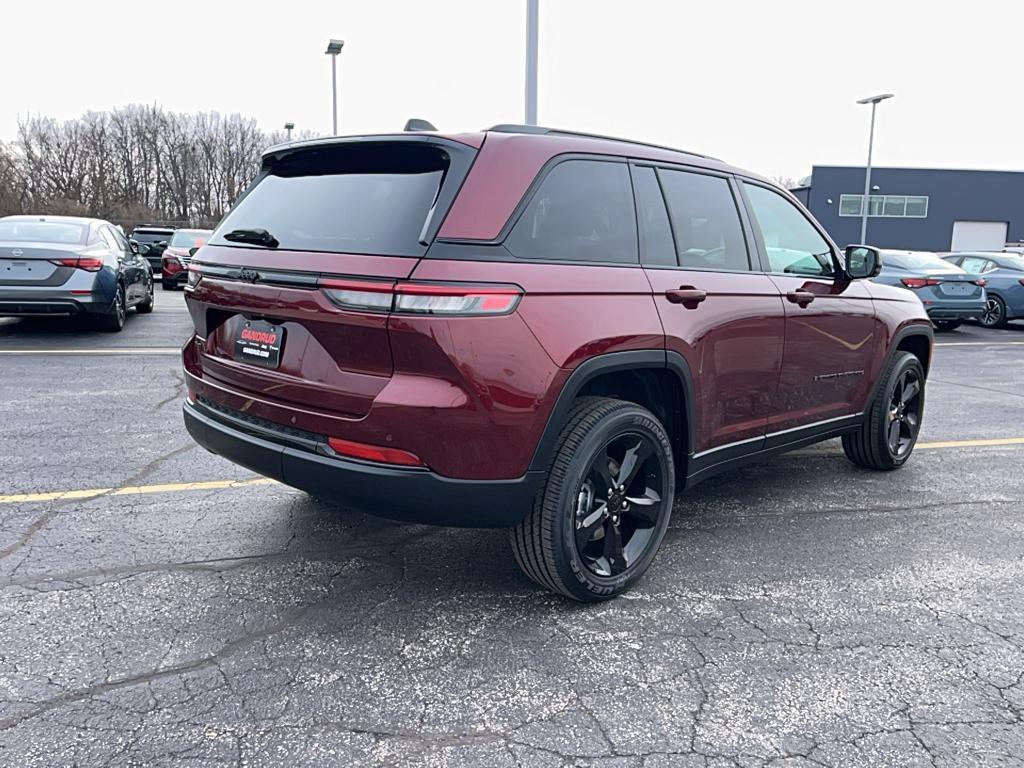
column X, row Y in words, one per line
column 556, row 141
column 193, row 231
column 154, row 229
column 43, row 217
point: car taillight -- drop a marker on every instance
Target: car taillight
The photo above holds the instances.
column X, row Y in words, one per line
column 88, row 263
column 193, row 277
column 981, row 283
column 452, row 299
column 374, row 452
column 1021, row 281
column 920, row 282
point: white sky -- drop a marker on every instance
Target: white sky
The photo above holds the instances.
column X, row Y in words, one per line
column 769, row 85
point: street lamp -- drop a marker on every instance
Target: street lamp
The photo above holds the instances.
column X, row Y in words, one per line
column 873, row 101
column 288, row 127
column 333, row 49
column 532, row 12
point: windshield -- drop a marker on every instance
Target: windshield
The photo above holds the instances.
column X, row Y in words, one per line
column 21, row 231
column 358, row 198
column 148, row 238
column 189, row 238
column 917, row 260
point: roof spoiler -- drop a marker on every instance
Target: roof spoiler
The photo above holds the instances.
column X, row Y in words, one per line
column 415, row 124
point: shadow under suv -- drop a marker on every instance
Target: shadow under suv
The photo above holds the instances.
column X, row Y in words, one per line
column 541, row 330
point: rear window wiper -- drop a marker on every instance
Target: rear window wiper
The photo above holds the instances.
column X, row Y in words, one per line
column 253, row 236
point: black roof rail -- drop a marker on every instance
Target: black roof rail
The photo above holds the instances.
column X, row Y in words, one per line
column 540, row 130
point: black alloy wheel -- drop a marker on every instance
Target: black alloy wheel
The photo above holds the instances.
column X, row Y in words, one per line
column 904, row 413
column 618, row 504
column 602, row 513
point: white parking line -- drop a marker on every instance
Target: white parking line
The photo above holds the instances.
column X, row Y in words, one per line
column 980, row 344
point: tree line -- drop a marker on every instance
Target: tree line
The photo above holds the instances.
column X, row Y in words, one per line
column 134, row 165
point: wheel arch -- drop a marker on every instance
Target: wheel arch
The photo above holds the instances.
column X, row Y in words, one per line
column 655, row 379
column 917, row 339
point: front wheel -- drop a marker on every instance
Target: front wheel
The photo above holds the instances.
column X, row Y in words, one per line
column 994, row 315
column 893, row 419
column 597, row 524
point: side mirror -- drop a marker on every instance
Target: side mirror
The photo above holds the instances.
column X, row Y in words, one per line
column 134, row 246
column 862, row 262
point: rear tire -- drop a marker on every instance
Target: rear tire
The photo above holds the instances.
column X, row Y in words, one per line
column 147, row 306
column 947, row 325
column 113, row 320
column 892, row 423
column 168, row 286
column 599, row 520
column 994, row 315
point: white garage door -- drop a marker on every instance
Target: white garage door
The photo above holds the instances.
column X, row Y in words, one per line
column 978, row 236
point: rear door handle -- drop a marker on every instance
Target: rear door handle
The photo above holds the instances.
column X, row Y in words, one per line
column 686, row 295
column 803, row 298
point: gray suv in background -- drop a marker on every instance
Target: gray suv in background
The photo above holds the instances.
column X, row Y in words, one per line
column 64, row 265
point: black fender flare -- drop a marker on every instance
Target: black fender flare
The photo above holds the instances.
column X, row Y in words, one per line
column 923, row 329
column 610, row 363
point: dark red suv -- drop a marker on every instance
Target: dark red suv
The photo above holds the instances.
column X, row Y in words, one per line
column 537, row 329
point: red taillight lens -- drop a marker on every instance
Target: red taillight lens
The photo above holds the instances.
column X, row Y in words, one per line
column 359, row 295
column 193, row 277
column 1021, row 281
column 981, row 283
column 452, row 299
column 919, row 282
column 373, row 452
column 87, row 263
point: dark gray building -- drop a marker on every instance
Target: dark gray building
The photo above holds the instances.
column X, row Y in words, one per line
column 919, row 208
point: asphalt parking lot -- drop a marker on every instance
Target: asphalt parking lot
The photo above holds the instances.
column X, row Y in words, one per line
column 801, row 612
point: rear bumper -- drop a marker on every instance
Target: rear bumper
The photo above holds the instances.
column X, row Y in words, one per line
column 414, row 495
column 945, row 312
column 174, row 278
column 48, row 303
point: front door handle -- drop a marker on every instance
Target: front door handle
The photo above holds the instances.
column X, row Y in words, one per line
column 686, row 295
column 803, row 298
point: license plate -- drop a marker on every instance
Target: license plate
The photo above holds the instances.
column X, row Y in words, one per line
column 258, row 342
column 24, row 270
column 958, row 289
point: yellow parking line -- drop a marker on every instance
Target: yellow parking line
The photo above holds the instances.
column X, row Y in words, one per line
column 213, row 485
column 96, row 351
column 980, row 344
column 209, row 485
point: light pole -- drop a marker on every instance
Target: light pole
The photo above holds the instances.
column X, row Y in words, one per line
column 333, row 49
column 532, row 12
column 288, row 128
column 873, row 101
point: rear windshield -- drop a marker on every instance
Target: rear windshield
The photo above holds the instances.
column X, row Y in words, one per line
column 1013, row 262
column 189, row 239
column 148, row 238
column 917, row 261
column 43, row 232
column 367, row 198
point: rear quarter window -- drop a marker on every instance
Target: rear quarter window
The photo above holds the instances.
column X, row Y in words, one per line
column 582, row 211
column 353, row 198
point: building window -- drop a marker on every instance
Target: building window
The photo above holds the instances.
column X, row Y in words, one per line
column 885, row 206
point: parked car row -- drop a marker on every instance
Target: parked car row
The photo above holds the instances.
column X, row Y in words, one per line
column 1004, row 283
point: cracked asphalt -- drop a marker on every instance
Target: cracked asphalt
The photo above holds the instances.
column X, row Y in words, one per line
column 800, row 613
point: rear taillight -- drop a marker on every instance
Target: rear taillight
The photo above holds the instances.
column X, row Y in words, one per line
column 920, row 282
column 1021, row 281
column 981, row 283
column 450, row 299
column 88, row 263
column 447, row 299
column 373, row 452
column 193, row 277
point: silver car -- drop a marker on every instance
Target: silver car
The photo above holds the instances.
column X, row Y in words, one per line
column 65, row 265
column 949, row 294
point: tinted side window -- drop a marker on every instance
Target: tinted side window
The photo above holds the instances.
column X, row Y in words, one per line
column 582, row 211
column 793, row 244
column 656, row 244
column 705, row 221
column 110, row 239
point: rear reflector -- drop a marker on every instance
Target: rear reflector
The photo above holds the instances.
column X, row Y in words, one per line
column 88, row 264
column 373, row 452
column 422, row 298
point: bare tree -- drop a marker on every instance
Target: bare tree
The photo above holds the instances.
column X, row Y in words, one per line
column 132, row 165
